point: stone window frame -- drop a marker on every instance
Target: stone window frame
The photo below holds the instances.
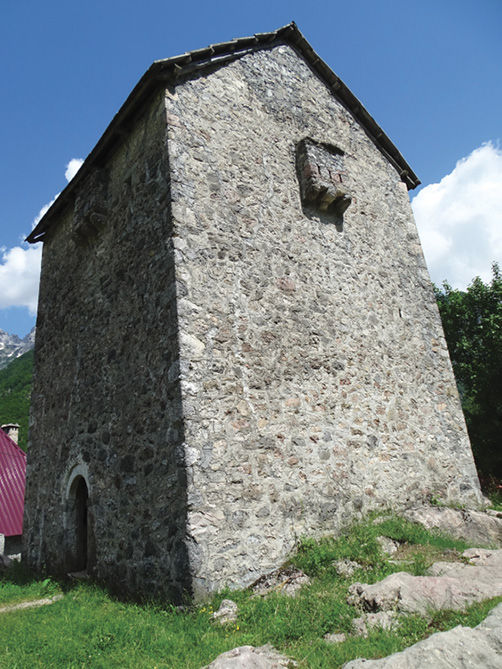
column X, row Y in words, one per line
column 323, row 179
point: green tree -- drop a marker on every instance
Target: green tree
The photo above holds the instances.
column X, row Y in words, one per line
column 472, row 322
column 15, row 390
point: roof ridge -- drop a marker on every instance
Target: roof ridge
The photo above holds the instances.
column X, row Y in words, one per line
column 185, row 64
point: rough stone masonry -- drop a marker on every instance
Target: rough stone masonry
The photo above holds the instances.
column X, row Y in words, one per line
column 237, row 339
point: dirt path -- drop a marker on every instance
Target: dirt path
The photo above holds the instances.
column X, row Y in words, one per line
column 31, row 604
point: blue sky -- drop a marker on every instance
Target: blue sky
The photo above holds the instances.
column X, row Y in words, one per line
column 430, row 73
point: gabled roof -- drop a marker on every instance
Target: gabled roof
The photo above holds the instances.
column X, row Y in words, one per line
column 12, row 482
column 172, row 69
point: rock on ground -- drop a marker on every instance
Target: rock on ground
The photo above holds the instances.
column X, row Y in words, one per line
column 346, row 568
column 483, row 564
column 450, row 585
column 460, row 647
column 387, row 620
column 227, row 613
column 286, row 581
column 5, row 562
column 387, row 545
column 474, row 527
column 249, row 657
column 335, row 638
column 494, row 513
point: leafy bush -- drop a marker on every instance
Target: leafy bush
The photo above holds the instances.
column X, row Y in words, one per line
column 472, row 322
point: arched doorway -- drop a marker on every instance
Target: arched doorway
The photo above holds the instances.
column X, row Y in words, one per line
column 81, row 523
column 78, row 525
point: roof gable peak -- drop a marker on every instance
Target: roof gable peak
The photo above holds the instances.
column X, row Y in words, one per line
column 171, row 69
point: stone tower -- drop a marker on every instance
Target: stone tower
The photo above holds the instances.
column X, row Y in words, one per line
column 237, row 340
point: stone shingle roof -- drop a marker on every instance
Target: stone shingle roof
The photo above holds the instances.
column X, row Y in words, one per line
column 172, row 69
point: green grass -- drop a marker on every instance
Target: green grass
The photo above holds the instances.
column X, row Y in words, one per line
column 412, row 533
column 89, row 628
column 360, row 544
column 495, row 497
column 19, row 585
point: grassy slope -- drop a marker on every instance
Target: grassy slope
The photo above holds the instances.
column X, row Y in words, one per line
column 88, row 628
column 15, row 389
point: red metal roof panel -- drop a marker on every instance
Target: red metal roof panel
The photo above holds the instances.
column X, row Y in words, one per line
column 12, row 482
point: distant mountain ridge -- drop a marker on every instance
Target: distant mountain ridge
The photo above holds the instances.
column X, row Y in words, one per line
column 11, row 346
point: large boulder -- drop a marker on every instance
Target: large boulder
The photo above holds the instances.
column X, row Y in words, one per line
column 480, row 646
column 475, row 527
column 483, row 564
column 449, row 585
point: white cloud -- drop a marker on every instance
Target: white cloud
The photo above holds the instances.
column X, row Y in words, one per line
column 72, row 168
column 459, row 219
column 20, row 265
column 19, row 275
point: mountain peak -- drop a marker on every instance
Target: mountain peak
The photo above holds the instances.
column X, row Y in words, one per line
column 11, row 346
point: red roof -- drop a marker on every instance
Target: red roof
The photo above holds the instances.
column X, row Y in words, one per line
column 12, row 480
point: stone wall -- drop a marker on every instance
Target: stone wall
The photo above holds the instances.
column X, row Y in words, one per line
column 106, row 402
column 229, row 368
column 315, row 376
